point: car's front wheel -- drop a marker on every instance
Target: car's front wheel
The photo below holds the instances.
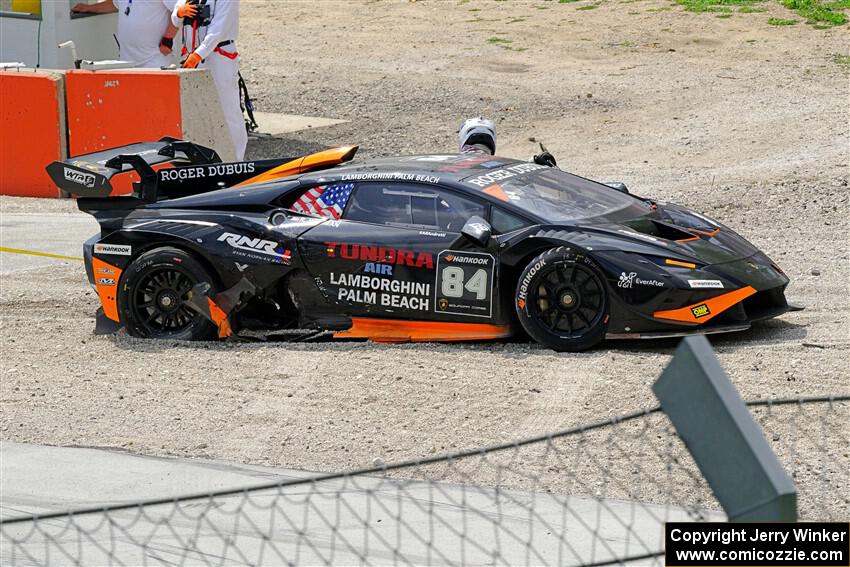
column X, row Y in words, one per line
column 562, row 301
column 152, row 300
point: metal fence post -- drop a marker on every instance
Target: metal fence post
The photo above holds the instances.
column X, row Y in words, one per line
column 726, row 443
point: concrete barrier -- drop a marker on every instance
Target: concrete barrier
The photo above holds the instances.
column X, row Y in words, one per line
column 32, row 121
column 53, row 115
column 107, row 109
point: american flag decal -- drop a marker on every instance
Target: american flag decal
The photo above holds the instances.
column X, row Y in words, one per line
column 325, row 201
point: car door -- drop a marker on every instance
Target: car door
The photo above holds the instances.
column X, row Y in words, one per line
column 397, row 251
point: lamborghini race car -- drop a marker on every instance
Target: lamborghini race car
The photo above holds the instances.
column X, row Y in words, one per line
column 414, row 248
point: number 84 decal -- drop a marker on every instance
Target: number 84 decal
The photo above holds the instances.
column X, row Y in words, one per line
column 464, row 283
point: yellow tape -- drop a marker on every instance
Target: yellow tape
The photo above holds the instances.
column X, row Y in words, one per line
column 33, row 253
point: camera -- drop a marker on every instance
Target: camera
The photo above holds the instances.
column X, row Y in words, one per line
column 202, row 18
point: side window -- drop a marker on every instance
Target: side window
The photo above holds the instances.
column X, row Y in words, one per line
column 503, row 222
column 324, row 200
column 410, row 204
column 379, row 203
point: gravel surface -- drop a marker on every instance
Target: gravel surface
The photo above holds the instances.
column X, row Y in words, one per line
column 744, row 121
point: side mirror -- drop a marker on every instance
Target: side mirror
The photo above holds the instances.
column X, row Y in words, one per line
column 619, row 186
column 477, row 230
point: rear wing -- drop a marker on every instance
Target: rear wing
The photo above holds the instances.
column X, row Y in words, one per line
column 172, row 168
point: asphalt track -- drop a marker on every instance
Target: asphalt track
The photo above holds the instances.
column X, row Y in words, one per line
column 59, row 234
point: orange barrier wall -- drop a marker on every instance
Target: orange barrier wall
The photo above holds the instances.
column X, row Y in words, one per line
column 32, row 131
column 53, row 115
column 107, row 109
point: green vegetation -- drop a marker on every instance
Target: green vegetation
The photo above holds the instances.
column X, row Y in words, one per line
column 504, row 43
column 714, row 5
column 817, row 13
column 821, row 14
column 841, row 59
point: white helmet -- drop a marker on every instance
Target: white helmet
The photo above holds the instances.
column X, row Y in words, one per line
column 478, row 131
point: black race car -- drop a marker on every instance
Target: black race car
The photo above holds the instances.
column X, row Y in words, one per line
column 415, row 248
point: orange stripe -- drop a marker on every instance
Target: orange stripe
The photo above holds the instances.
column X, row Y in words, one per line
column 709, row 233
column 332, row 156
column 108, row 293
column 284, row 170
column 396, row 331
column 670, row 262
column 703, row 311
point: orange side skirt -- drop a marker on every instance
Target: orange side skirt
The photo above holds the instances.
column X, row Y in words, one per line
column 395, row 331
column 108, row 290
column 705, row 310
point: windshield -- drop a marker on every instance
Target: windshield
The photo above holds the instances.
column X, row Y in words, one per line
column 559, row 196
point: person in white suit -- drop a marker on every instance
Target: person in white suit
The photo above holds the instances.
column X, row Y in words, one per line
column 210, row 30
column 145, row 33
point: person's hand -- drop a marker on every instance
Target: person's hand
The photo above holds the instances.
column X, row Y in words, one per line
column 187, row 10
column 165, row 45
column 81, row 8
column 192, row 61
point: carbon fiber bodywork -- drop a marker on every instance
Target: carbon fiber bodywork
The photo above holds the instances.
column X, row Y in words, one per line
column 668, row 270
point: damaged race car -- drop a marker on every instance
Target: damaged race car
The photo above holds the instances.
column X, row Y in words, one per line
column 414, row 248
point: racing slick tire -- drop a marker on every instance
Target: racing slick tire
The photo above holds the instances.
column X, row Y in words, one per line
column 152, row 296
column 562, row 301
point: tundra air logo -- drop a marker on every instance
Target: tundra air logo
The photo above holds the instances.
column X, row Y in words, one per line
column 267, row 247
column 79, row 177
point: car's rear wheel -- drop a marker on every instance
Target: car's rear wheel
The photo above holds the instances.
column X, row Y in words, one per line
column 153, row 295
column 562, row 301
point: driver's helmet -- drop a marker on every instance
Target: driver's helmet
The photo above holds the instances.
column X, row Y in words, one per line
column 477, row 132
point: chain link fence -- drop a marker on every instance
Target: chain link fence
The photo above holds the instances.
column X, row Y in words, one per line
column 592, row 495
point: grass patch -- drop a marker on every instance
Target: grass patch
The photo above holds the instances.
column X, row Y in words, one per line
column 505, row 44
column 841, row 59
column 817, row 13
column 820, row 13
column 588, row 7
column 714, row 5
column 566, row 1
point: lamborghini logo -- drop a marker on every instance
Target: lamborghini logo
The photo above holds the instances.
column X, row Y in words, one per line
column 443, row 303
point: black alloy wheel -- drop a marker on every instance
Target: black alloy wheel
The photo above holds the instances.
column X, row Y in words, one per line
column 153, row 293
column 562, row 301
